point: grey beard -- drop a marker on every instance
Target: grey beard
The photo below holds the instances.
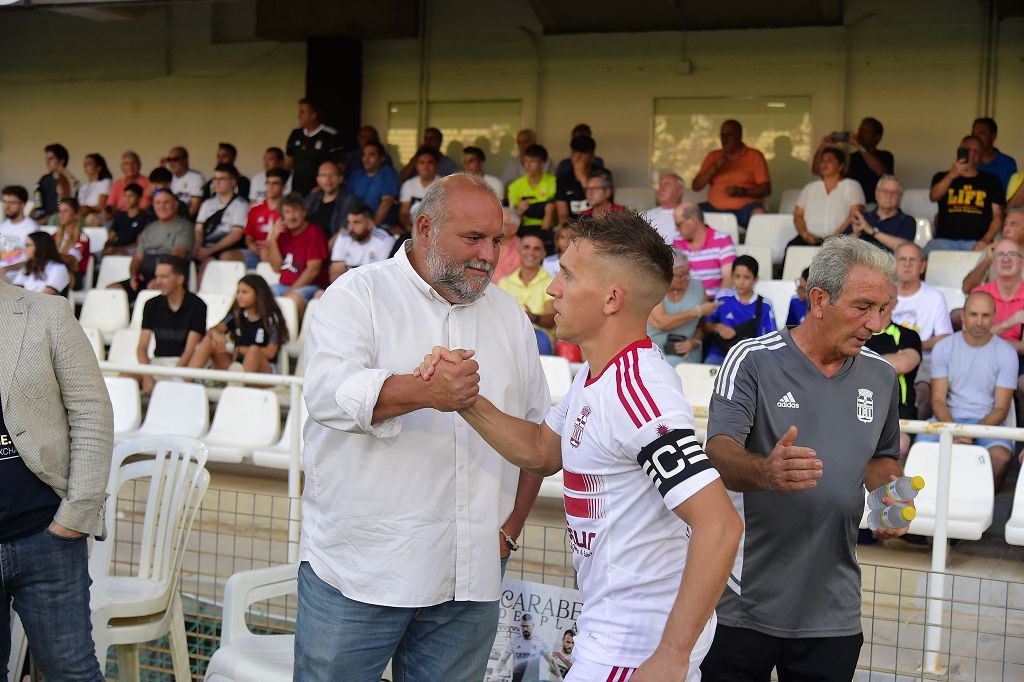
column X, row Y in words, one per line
column 449, row 275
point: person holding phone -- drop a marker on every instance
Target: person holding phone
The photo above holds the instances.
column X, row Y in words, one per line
column 971, row 203
column 674, row 323
column 868, row 163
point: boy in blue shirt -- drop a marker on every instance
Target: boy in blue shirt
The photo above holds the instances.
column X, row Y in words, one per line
column 742, row 314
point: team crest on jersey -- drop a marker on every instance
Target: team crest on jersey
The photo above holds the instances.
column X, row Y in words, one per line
column 865, row 405
column 577, row 428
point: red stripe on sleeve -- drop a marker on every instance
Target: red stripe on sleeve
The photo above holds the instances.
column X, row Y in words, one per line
column 625, row 376
column 622, row 397
column 640, row 383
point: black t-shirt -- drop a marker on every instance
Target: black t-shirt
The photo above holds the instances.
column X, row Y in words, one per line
column 867, row 178
column 27, row 505
column 308, row 152
column 46, row 197
column 126, row 229
column 249, row 332
column 322, row 215
column 171, row 328
column 888, row 341
column 569, row 190
column 966, row 211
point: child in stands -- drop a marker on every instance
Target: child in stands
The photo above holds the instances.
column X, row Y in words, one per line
column 743, row 314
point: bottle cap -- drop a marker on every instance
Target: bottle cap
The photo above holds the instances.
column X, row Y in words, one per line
column 917, row 483
column 908, row 513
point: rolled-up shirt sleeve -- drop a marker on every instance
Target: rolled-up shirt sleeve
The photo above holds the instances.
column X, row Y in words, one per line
column 342, row 386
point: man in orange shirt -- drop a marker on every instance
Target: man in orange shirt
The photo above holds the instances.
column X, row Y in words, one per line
column 738, row 176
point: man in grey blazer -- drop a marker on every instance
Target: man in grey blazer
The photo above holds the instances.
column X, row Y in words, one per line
column 56, row 437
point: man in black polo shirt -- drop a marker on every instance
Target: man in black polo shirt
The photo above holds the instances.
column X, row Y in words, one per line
column 177, row 319
column 308, row 146
column 570, row 192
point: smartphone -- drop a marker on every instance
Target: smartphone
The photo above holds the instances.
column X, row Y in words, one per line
column 840, row 137
column 962, row 153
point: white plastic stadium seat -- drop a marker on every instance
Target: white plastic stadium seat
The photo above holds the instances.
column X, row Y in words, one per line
column 924, row 232
column 798, row 258
column 221, row 277
column 788, row 201
column 955, row 297
column 266, row 271
column 246, row 419
column 124, row 398
column 698, row 382
column 78, row 296
column 176, row 408
column 140, row 305
column 1015, row 526
column 295, row 344
column 558, row 374
column 113, row 269
column 106, row 311
column 95, row 340
column 780, row 292
column 724, row 222
column 217, row 306
column 290, row 312
column 97, row 238
column 124, row 345
column 971, row 494
column 773, row 230
column 243, row 655
column 917, row 203
column 948, row 268
column 277, row 457
column 763, row 256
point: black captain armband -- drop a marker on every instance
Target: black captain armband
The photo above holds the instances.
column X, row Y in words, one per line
column 673, row 458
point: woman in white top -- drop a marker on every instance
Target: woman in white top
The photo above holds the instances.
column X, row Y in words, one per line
column 92, row 196
column 827, row 206
column 44, row 271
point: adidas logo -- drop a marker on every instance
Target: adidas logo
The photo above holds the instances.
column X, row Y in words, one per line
column 788, row 401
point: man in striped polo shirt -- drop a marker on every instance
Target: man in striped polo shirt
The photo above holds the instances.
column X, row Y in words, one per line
column 711, row 253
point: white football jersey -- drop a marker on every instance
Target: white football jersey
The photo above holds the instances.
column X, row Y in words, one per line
column 629, row 458
column 353, row 253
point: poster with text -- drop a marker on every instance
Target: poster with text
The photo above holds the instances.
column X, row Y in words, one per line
column 536, row 632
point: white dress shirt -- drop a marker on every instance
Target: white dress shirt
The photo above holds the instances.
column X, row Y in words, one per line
column 406, row 512
column 663, row 220
column 825, row 211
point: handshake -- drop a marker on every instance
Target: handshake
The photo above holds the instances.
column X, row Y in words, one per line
column 452, row 378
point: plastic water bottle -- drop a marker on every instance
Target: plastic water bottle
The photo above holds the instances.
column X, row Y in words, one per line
column 896, row 516
column 903, row 489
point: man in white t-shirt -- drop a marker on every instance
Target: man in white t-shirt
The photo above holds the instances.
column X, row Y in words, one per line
column 362, row 244
column 669, row 195
column 642, row 501
column 272, row 158
column 15, row 228
column 473, row 159
column 187, row 184
column 220, row 224
column 923, row 308
column 528, row 654
column 415, row 188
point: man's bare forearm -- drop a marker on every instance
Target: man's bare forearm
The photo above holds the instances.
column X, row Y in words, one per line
column 517, row 440
column 741, row 470
column 400, row 394
column 976, row 277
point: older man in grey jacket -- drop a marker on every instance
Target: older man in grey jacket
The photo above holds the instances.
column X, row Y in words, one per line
column 56, row 436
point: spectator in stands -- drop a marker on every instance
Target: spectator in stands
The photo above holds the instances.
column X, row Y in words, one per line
column 570, row 195
column 160, row 179
column 901, row 348
column 532, row 194
column 56, row 184
column 974, row 375
column 176, row 319
column 329, row 204
column 375, row 183
column 433, row 139
column 131, row 169
column 92, row 196
column 15, row 228
column 1013, row 229
column 798, row 304
column 363, row 243
column 1007, row 291
column 528, row 285
column 220, row 225
column 72, row 242
column 868, row 163
column 563, row 238
column 473, row 162
column 737, row 174
column 742, row 313
column 565, row 166
column 600, row 189
column 127, row 224
column 971, row 203
column 354, row 156
column 887, row 226
column 187, row 184
column 514, row 168
column 668, row 195
column 413, row 189
column 508, row 258
column 298, row 250
column 826, row 207
column 44, row 270
column 923, row 308
column 261, row 218
column 711, row 253
column 993, row 161
column 309, row 146
column 674, row 323
column 254, row 327
column 168, row 235
column 272, row 158
column 227, row 153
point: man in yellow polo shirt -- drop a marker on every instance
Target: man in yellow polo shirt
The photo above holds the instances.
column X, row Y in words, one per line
column 529, row 284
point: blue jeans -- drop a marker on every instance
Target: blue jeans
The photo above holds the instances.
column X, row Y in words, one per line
column 48, row 579
column 251, row 259
column 949, row 245
column 337, row 638
column 307, row 292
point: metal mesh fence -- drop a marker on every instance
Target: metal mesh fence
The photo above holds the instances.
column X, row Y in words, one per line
column 982, row 620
